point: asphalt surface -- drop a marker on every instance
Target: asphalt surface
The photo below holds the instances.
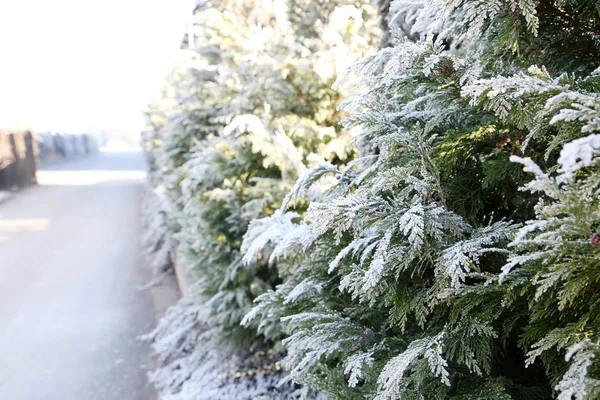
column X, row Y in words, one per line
column 70, row 268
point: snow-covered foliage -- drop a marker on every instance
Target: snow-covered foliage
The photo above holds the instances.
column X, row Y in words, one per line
column 456, row 257
column 556, row 258
column 424, row 272
column 240, row 121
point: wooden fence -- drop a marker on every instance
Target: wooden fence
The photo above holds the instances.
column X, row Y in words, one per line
column 21, row 150
column 17, row 160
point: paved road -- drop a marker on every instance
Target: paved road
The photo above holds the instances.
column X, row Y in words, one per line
column 70, row 266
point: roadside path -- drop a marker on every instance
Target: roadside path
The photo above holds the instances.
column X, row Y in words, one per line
column 70, row 266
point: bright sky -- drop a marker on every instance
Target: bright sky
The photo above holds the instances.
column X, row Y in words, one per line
column 76, row 65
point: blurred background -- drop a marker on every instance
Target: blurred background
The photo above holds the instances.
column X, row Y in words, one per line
column 81, row 66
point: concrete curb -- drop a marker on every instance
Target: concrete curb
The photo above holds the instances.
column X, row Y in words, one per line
column 182, row 275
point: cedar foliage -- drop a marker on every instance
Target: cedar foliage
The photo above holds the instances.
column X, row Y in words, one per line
column 459, row 258
column 237, row 124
